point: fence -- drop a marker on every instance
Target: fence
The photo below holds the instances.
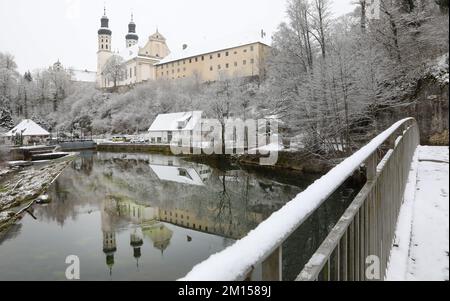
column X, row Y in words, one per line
column 366, row 228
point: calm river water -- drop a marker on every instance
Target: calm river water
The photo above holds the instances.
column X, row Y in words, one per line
column 153, row 217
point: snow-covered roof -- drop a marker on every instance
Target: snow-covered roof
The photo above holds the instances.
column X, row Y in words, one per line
column 28, row 128
column 83, row 76
column 208, row 46
column 172, row 121
column 176, row 174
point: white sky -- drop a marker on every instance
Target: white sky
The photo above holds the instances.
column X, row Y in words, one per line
column 40, row 32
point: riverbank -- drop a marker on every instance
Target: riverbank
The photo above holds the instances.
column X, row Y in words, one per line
column 298, row 161
column 20, row 187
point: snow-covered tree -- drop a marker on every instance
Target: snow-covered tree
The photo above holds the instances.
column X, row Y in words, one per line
column 114, row 69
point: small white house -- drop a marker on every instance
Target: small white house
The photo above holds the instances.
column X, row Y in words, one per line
column 175, row 127
column 30, row 131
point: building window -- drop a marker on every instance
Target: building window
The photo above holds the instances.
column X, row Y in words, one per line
column 218, row 67
column 245, row 50
column 203, row 57
column 252, row 61
column 211, row 68
column 227, row 65
column 211, row 57
column 190, row 61
column 218, row 55
column 251, row 48
column 235, row 52
column 178, row 70
column 235, row 64
column 226, row 53
column 184, row 62
column 196, row 59
column 244, row 62
column 173, row 71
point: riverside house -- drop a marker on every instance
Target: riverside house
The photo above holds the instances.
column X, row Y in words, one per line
column 30, row 132
column 174, row 127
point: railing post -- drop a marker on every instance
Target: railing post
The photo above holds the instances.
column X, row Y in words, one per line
column 272, row 266
column 371, row 167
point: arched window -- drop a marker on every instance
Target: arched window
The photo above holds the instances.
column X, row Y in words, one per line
column 102, row 46
column 106, row 46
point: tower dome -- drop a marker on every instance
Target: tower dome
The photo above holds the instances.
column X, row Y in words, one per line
column 131, row 38
column 104, row 35
column 104, row 25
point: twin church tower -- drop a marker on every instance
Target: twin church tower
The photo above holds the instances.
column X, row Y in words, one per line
column 139, row 61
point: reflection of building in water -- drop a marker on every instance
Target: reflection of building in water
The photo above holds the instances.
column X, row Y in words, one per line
column 170, row 169
column 176, row 174
column 159, row 234
column 136, row 243
column 109, row 248
column 232, row 226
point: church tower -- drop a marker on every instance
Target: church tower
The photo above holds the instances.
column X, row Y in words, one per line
column 131, row 38
column 104, row 49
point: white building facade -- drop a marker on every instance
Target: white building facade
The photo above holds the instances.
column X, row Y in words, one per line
column 138, row 61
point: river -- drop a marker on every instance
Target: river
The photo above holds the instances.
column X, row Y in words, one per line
column 153, row 217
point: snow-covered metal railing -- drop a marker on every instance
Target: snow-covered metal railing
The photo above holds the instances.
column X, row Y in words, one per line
column 258, row 256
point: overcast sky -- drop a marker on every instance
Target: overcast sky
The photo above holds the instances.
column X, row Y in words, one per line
column 40, row 32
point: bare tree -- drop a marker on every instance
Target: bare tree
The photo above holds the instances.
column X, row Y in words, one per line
column 114, row 69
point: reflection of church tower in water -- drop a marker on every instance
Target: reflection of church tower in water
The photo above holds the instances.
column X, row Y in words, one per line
column 136, row 242
column 109, row 248
column 160, row 236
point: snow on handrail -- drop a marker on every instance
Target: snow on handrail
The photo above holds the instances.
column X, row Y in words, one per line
column 235, row 261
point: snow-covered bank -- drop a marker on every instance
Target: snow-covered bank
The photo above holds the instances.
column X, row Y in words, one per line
column 28, row 184
column 421, row 246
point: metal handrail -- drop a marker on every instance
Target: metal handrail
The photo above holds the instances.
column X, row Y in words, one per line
column 258, row 256
column 367, row 228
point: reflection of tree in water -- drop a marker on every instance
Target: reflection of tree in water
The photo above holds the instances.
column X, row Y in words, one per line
column 12, row 232
column 231, row 207
column 233, row 201
column 304, row 242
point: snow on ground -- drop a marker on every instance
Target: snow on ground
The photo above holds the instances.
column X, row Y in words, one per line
column 422, row 235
